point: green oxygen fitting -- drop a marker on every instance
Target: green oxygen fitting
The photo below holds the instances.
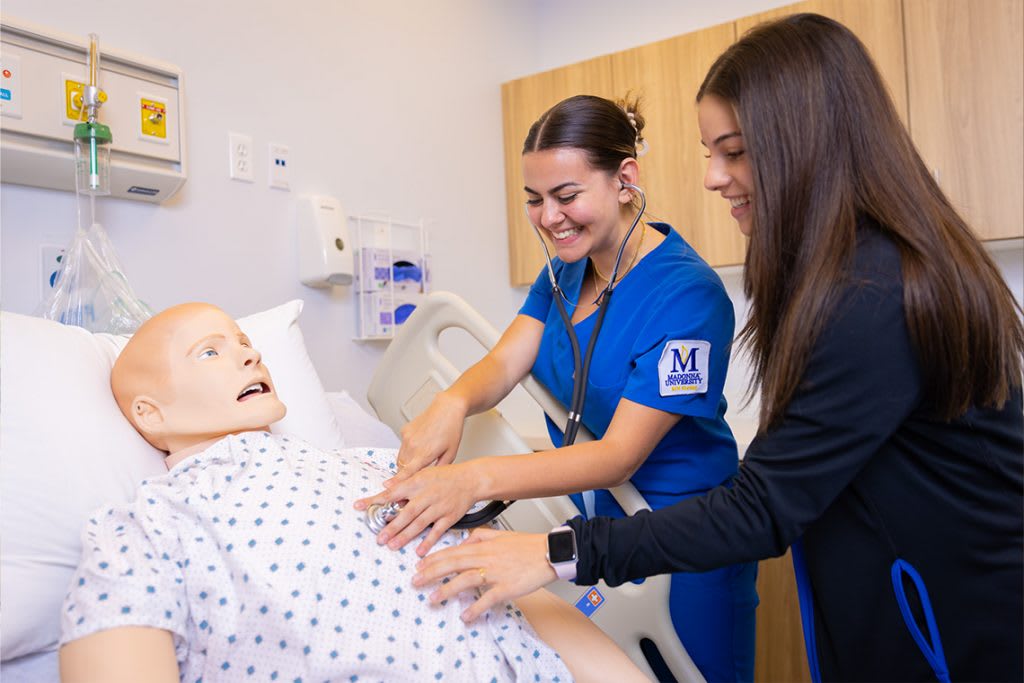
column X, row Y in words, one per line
column 92, row 139
column 92, row 157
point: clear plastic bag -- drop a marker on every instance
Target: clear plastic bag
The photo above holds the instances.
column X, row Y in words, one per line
column 91, row 290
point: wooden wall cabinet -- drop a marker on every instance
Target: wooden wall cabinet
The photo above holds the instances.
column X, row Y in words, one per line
column 965, row 63
column 954, row 69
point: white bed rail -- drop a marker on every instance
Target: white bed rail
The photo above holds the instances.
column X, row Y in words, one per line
column 414, row 370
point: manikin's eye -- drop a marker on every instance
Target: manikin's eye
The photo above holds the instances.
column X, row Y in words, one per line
column 208, row 353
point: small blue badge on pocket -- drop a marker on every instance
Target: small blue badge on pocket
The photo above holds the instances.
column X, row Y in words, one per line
column 590, row 601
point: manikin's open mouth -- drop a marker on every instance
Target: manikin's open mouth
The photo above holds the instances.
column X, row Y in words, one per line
column 254, row 390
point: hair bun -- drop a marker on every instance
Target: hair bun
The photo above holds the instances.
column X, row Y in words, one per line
column 632, row 109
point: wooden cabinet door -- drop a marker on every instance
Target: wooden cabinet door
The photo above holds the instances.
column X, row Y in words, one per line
column 966, row 67
column 780, row 655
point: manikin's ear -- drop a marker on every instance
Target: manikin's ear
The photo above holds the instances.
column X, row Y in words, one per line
column 629, row 174
column 149, row 419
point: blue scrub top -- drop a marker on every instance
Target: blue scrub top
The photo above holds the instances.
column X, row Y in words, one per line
column 665, row 343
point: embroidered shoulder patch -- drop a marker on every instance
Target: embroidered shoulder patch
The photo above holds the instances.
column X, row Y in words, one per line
column 683, row 367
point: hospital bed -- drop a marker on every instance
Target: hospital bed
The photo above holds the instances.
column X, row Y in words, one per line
column 414, row 369
column 59, row 463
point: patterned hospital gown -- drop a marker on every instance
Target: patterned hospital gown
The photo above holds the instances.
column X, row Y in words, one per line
column 251, row 554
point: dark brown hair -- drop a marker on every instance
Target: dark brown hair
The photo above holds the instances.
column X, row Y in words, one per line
column 826, row 145
column 599, row 127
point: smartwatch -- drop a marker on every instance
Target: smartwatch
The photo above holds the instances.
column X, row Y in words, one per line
column 562, row 552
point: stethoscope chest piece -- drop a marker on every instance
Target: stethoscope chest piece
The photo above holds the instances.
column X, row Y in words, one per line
column 378, row 516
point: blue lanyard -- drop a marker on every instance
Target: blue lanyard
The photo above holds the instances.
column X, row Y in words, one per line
column 803, row 591
column 932, row 651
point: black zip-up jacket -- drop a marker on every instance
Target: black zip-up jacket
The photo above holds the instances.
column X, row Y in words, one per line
column 860, row 472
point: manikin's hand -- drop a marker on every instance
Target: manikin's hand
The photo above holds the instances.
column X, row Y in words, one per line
column 508, row 564
column 433, row 437
column 436, row 495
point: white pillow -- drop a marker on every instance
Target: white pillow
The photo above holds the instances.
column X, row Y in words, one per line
column 276, row 335
column 65, row 450
column 361, row 429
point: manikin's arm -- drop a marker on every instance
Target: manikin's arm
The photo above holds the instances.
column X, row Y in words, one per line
column 130, row 654
column 587, row 651
column 127, row 654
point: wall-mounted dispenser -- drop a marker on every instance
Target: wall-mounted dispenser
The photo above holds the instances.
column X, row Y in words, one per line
column 392, row 273
column 45, row 93
column 325, row 252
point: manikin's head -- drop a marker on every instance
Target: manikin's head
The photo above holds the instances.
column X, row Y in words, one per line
column 189, row 375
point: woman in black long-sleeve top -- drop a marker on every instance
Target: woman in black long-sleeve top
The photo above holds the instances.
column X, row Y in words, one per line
column 888, row 352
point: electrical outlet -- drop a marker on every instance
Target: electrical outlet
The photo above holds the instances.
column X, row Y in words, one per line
column 240, row 157
column 51, row 258
column 278, row 167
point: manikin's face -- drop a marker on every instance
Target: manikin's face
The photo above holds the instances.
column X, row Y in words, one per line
column 216, row 383
column 729, row 171
column 578, row 208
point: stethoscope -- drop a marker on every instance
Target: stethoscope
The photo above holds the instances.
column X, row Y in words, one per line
column 378, row 516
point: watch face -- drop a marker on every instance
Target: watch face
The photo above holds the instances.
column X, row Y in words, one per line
column 562, row 546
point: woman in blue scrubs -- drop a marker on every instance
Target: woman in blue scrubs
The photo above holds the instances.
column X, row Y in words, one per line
column 654, row 396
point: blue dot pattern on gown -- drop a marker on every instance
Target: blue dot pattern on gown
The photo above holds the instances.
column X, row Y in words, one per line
column 252, row 556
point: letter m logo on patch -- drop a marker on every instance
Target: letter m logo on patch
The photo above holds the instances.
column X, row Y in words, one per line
column 683, row 367
column 688, row 364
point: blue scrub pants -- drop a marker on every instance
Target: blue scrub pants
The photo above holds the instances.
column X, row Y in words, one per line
column 713, row 612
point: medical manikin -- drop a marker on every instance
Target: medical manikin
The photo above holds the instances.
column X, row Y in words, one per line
column 248, row 559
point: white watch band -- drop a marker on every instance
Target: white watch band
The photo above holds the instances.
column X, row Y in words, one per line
column 563, row 570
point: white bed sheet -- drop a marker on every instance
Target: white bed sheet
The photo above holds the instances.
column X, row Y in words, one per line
column 40, row 667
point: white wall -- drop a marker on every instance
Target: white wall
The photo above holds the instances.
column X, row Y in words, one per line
column 392, row 106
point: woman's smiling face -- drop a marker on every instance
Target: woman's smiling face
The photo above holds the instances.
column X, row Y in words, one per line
column 729, row 171
column 576, row 206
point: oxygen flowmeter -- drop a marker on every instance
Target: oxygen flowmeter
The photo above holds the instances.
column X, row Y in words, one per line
column 92, row 138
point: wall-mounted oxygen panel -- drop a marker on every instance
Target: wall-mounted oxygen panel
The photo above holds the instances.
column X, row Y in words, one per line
column 43, row 74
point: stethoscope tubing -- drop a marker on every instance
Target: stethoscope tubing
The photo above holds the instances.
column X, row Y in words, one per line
column 581, row 368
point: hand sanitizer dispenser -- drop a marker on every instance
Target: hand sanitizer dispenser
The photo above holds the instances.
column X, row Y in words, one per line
column 325, row 251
